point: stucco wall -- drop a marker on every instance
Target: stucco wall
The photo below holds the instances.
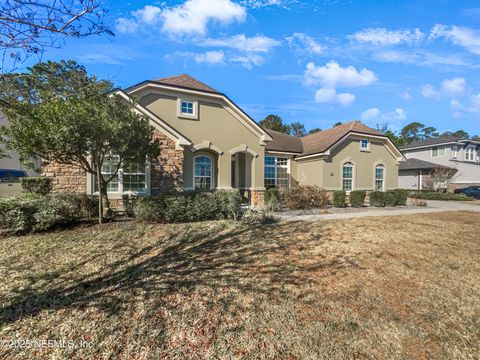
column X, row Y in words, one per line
column 328, row 172
column 217, row 123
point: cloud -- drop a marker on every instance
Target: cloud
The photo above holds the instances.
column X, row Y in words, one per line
column 460, row 110
column 258, row 43
column 256, row 4
column 328, row 95
column 303, row 43
column 332, row 75
column 210, row 57
column 190, row 18
column 248, row 61
column 419, row 58
column 375, row 114
column 385, row 37
column 449, row 88
column 462, row 36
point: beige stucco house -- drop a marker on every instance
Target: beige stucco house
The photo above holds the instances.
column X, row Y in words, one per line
column 208, row 142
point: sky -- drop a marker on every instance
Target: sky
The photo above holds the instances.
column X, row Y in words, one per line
column 315, row 62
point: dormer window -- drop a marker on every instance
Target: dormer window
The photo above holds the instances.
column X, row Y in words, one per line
column 186, row 107
column 364, row 144
column 470, row 153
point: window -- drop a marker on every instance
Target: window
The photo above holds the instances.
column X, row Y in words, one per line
column 202, row 173
column 470, row 153
column 379, row 177
column 347, row 183
column 186, row 107
column 130, row 177
column 454, row 151
column 438, row 151
column 364, row 144
column 276, row 172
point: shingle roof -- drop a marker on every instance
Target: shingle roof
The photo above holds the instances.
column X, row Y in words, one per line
column 428, row 142
column 322, row 140
column 417, row 164
column 283, row 142
column 186, row 81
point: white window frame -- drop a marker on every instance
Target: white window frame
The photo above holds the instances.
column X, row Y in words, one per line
column 454, row 151
column 438, row 151
column 470, row 151
column 377, row 179
column 212, row 172
column 275, row 166
column 194, row 103
column 120, row 190
column 364, row 148
column 352, row 187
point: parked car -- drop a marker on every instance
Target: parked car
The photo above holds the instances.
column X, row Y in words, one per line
column 472, row 191
column 10, row 181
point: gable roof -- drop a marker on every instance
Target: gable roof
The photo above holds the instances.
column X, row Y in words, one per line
column 417, row 164
column 323, row 140
column 431, row 142
column 186, row 81
column 284, row 142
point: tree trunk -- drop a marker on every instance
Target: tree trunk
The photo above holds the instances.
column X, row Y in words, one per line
column 106, row 202
column 100, row 195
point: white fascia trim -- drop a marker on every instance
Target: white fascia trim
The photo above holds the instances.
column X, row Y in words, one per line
column 430, row 146
column 168, row 130
column 280, row 152
column 263, row 134
column 466, row 182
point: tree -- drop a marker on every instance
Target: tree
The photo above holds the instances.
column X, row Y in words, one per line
column 337, row 124
column 440, row 178
column 314, row 130
column 461, row 134
column 297, row 129
column 29, row 26
column 416, row 131
column 385, row 130
column 69, row 119
column 275, row 122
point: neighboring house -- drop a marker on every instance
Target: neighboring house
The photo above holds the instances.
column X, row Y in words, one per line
column 459, row 154
column 208, row 142
column 11, row 168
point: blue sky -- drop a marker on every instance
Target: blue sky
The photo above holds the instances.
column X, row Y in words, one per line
column 317, row 62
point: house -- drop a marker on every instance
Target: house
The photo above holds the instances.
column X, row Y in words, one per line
column 208, row 142
column 445, row 152
column 11, row 167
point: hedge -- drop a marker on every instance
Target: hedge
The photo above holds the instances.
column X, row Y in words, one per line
column 32, row 212
column 401, row 196
column 339, row 198
column 390, row 198
column 357, row 198
column 377, row 198
column 188, row 206
column 306, row 197
column 440, row 196
column 37, row 185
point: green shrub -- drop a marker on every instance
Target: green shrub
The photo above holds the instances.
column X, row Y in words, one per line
column 339, row 198
column 390, row 198
column 189, row 206
column 306, row 197
column 401, row 196
column 37, row 185
column 31, row 212
column 377, row 198
column 357, row 198
column 440, row 196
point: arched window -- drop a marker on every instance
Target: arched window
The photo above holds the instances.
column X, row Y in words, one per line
column 379, row 178
column 202, row 172
column 347, row 183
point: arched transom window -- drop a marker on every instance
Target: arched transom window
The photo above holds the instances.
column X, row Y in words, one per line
column 379, row 178
column 202, row 173
column 347, row 179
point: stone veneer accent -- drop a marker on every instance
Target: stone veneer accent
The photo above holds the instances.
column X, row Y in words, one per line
column 166, row 171
column 257, row 198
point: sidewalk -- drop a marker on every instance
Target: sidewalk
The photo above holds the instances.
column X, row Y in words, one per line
column 432, row 207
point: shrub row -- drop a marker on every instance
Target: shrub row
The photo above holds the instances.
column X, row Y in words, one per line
column 440, row 196
column 32, row 212
column 306, row 197
column 395, row 197
column 37, row 185
column 189, row 206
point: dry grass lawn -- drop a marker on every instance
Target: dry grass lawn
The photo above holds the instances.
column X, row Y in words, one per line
column 404, row 287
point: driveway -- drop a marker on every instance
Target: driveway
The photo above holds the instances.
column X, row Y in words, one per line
column 432, row 206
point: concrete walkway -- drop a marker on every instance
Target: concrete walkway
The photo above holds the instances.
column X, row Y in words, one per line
column 432, row 207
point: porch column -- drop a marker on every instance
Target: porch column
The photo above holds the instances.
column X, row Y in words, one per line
column 224, row 171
